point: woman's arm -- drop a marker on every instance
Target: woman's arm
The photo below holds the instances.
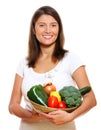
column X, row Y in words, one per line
column 89, row 101
column 15, row 101
column 16, row 96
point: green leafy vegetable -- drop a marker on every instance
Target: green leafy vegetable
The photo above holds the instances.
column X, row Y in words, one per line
column 72, row 96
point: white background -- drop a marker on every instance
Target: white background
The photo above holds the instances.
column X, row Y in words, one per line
column 82, row 27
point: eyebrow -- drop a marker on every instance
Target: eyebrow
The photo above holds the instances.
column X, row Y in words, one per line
column 45, row 23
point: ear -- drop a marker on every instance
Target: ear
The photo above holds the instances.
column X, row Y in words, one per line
column 33, row 31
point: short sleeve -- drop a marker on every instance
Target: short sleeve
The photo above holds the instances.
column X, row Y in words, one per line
column 74, row 62
column 20, row 68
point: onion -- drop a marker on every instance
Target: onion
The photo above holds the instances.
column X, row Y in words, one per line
column 49, row 87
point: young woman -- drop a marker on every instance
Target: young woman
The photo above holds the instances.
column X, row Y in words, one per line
column 48, row 61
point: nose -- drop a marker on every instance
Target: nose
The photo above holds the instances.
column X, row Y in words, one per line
column 48, row 29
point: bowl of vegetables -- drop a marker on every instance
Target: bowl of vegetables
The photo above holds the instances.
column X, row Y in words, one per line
column 68, row 98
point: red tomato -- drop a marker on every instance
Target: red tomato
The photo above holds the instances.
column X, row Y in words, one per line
column 62, row 104
column 53, row 102
column 49, row 87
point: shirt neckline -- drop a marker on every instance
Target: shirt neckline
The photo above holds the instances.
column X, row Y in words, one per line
column 47, row 72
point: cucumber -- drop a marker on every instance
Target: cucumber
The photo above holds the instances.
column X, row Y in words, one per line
column 85, row 90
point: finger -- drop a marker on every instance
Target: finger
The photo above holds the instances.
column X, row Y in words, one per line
column 46, row 115
column 54, row 112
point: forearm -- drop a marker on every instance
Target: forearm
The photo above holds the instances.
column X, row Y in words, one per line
column 29, row 116
column 34, row 118
column 19, row 111
column 88, row 103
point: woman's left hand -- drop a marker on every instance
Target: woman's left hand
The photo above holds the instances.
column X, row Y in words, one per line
column 58, row 117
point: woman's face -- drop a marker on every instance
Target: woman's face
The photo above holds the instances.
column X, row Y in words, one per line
column 46, row 30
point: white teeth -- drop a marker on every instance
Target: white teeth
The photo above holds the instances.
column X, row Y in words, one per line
column 47, row 36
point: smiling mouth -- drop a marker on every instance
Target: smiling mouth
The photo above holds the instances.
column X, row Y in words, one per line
column 47, row 36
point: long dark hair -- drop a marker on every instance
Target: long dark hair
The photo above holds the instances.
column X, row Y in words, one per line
column 33, row 43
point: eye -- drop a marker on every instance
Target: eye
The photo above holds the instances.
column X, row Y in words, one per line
column 41, row 25
column 53, row 25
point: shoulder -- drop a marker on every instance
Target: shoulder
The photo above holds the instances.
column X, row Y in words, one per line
column 22, row 67
column 22, row 64
column 23, row 61
column 73, row 61
column 71, row 56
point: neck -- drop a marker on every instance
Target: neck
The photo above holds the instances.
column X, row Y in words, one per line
column 47, row 51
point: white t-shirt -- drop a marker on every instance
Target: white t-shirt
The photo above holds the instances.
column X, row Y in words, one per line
column 60, row 76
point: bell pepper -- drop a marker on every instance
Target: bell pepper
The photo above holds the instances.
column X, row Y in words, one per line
column 38, row 95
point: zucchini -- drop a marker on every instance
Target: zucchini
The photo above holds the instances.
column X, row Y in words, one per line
column 85, row 90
